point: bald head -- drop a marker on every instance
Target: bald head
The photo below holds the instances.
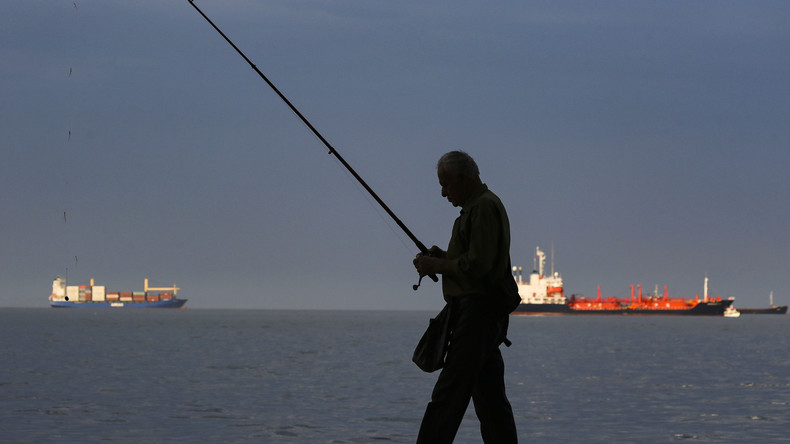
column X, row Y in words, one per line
column 458, row 176
column 458, row 162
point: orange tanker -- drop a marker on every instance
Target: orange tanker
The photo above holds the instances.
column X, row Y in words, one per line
column 544, row 295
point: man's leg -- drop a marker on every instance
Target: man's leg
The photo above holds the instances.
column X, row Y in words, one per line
column 453, row 389
column 491, row 404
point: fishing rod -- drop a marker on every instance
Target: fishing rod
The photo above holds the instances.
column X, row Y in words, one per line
column 332, row 150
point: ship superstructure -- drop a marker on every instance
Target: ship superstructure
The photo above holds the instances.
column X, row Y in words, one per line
column 540, row 292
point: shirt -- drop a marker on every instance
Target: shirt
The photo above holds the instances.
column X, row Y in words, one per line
column 480, row 242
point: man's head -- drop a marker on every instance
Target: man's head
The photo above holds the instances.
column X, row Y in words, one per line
column 458, row 176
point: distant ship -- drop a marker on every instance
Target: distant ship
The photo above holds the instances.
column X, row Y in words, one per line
column 96, row 296
column 544, row 295
column 772, row 309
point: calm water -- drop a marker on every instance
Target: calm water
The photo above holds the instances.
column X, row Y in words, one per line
column 208, row 376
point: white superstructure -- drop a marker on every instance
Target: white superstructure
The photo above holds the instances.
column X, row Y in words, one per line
column 540, row 289
column 58, row 289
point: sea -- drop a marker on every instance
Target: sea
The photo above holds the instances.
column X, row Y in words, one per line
column 270, row 376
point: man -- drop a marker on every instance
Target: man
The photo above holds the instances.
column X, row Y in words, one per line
column 477, row 257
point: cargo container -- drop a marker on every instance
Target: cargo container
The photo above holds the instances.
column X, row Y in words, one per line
column 99, row 293
column 72, row 293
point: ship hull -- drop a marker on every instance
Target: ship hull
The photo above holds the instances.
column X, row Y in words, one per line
column 771, row 310
column 543, row 309
column 715, row 308
column 172, row 303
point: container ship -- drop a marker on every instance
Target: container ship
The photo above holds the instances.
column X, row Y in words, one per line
column 544, row 295
column 96, row 296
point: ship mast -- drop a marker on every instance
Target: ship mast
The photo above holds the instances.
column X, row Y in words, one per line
column 541, row 259
column 705, row 290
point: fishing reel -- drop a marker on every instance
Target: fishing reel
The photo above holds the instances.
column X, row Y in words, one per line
column 424, row 252
column 419, row 281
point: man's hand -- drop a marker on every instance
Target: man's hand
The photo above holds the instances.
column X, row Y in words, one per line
column 425, row 265
column 431, row 263
column 435, row 251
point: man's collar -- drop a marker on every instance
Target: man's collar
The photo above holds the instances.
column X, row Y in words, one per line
column 474, row 195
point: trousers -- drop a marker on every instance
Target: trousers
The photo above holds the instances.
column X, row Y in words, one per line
column 473, row 369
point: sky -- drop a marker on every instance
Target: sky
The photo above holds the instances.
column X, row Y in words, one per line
column 643, row 142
